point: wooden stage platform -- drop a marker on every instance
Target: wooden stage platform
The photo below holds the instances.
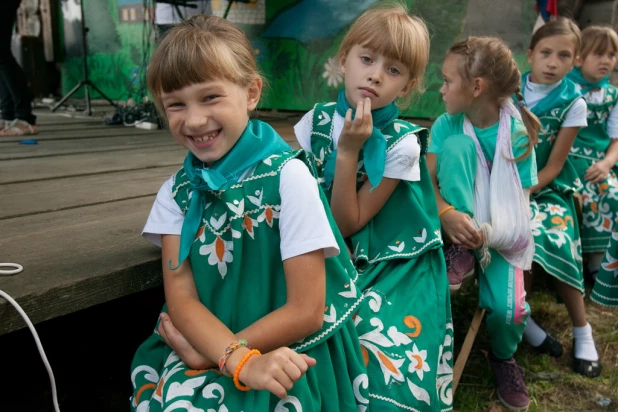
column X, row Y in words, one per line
column 71, row 212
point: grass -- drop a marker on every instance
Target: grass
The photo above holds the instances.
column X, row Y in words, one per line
column 551, row 383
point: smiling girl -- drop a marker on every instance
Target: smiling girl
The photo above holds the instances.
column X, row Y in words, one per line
column 259, row 300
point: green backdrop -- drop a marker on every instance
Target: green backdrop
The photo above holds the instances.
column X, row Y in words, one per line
column 296, row 43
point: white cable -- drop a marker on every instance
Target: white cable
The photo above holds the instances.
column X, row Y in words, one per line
column 17, row 269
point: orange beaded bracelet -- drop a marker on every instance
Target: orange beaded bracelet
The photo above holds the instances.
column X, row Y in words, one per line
column 242, row 362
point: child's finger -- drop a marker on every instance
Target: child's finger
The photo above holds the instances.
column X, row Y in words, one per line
column 274, row 387
column 348, row 117
column 358, row 119
column 367, row 110
column 292, row 370
column 309, row 360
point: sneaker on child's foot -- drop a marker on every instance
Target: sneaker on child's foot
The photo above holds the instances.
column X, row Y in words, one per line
column 460, row 265
column 512, row 389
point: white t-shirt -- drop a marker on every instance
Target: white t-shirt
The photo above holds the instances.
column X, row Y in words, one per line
column 303, row 224
column 166, row 13
column 597, row 97
column 401, row 161
column 575, row 116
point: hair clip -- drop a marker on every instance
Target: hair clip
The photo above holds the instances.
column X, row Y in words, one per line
column 521, row 104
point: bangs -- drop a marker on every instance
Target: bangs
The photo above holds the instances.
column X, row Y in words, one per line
column 392, row 33
column 185, row 57
column 598, row 40
column 602, row 44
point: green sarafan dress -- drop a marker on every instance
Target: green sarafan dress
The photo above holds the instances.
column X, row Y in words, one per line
column 605, row 290
column 554, row 219
column 404, row 325
column 239, row 276
column 600, row 200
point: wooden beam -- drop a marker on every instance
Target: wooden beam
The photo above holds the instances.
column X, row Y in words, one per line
column 466, row 348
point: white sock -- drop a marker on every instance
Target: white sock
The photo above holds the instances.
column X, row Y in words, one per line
column 533, row 333
column 584, row 343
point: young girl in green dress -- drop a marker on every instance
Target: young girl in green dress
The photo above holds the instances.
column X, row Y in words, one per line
column 372, row 167
column 481, row 159
column 259, row 300
column 558, row 104
column 595, row 151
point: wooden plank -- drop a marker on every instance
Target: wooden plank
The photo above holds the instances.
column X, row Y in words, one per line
column 462, row 358
column 26, row 170
column 22, row 199
column 85, row 145
column 82, row 133
column 77, row 258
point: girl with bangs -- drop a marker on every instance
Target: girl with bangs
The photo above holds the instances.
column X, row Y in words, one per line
column 258, row 298
column 558, row 103
column 372, row 167
column 594, row 155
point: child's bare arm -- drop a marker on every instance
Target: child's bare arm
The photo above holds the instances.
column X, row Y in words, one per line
column 207, row 334
column 600, row 170
column 352, row 210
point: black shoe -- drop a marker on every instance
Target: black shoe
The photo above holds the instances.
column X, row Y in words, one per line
column 550, row 346
column 590, row 369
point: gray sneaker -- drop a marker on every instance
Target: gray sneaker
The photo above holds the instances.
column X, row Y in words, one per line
column 512, row 389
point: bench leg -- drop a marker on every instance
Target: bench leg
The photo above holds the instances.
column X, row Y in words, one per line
column 462, row 358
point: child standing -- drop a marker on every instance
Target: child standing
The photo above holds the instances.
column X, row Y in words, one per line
column 559, row 106
column 595, row 151
column 246, row 243
column 482, row 163
column 372, row 166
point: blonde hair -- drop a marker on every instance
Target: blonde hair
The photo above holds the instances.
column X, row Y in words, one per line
column 389, row 30
column 561, row 26
column 198, row 50
column 598, row 39
column 490, row 59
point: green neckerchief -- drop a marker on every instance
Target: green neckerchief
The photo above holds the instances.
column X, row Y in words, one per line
column 576, row 76
column 257, row 142
column 374, row 148
column 563, row 94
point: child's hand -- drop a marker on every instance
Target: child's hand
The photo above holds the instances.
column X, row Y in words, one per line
column 356, row 132
column 458, row 226
column 598, row 171
column 175, row 340
column 275, row 371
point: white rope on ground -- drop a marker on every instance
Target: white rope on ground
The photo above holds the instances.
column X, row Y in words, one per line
column 16, row 268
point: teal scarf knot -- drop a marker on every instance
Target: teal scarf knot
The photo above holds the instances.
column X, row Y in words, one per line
column 562, row 94
column 256, row 143
column 576, row 76
column 374, row 148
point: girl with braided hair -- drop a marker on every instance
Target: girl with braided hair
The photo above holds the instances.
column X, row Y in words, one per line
column 482, row 163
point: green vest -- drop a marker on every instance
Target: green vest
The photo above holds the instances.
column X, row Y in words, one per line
column 592, row 141
column 236, row 256
column 408, row 224
column 567, row 181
